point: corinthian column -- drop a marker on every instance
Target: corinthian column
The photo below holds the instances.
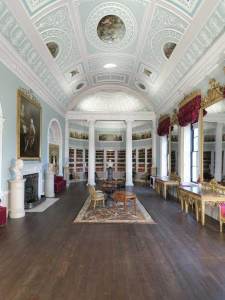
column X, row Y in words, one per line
column 129, row 179
column 91, row 153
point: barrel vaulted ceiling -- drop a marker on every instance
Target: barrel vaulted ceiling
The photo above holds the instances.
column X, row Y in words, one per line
column 135, row 59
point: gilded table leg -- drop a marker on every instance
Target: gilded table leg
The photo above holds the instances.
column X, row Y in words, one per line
column 203, row 212
column 186, row 200
column 164, row 191
column 196, row 210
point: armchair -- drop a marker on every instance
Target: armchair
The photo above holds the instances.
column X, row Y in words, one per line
column 96, row 196
column 59, row 184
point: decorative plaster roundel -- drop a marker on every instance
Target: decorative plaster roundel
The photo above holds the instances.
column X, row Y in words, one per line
column 114, row 39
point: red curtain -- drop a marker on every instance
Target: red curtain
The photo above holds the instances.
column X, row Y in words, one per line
column 164, row 127
column 189, row 112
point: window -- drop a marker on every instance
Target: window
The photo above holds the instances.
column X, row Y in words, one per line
column 194, row 154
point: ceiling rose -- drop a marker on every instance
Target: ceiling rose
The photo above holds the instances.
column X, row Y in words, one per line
column 111, row 26
column 111, row 29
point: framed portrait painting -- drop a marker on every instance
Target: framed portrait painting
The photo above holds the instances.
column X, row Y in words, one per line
column 28, row 127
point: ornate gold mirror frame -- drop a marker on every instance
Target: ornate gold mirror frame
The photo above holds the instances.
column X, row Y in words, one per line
column 215, row 94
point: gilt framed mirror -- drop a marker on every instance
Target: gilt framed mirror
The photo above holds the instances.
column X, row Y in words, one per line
column 212, row 134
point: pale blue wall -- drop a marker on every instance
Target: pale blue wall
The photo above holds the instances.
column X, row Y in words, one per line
column 9, row 84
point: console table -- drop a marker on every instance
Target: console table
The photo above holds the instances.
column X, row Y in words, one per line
column 162, row 183
column 200, row 197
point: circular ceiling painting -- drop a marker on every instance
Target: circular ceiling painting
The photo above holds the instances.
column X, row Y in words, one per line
column 111, row 25
column 111, row 29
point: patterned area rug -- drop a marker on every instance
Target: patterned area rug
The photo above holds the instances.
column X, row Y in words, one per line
column 110, row 214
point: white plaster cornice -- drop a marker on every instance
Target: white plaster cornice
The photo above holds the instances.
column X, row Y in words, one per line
column 102, row 116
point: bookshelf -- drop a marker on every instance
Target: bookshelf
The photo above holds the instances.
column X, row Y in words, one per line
column 149, row 159
column 121, row 160
column 99, row 161
column 134, row 160
column 71, row 164
column 141, row 160
column 78, row 162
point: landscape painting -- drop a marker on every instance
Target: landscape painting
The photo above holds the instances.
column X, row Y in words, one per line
column 109, row 137
column 141, row 135
column 28, row 127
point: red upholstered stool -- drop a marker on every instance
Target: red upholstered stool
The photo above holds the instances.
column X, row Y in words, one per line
column 3, row 218
column 222, row 216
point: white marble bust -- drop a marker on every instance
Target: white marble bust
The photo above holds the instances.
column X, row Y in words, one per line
column 16, row 169
column 110, row 164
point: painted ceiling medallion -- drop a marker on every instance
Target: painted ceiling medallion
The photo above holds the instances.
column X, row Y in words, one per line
column 168, row 49
column 53, row 49
column 110, row 26
column 111, row 29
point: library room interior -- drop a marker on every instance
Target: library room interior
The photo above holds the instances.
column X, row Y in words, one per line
column 112, row 149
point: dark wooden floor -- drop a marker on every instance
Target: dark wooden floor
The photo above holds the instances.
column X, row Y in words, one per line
column 46, row 256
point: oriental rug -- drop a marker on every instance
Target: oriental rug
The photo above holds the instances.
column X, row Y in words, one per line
column 111, row 214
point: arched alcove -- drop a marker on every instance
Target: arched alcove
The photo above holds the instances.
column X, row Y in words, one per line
column 54, row 150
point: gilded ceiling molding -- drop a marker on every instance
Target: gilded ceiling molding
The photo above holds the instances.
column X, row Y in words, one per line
column 189, row 97
column 173, row 118
column 214, row 94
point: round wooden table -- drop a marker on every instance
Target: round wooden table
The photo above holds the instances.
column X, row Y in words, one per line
column 125, row 197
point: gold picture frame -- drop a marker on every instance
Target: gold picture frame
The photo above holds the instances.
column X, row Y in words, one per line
column 29, row 120
column 214, row 95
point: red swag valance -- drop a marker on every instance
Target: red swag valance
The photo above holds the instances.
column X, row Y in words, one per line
column 189, row 110
column 164, row 126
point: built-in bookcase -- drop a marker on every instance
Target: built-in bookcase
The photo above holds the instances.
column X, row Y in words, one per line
column 141, row 161
column 121, row 160
column 78, row 162
column 99, row 161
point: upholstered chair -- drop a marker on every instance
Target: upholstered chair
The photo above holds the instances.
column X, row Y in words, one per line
column 97, row 196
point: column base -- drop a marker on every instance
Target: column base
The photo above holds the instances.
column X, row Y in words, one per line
column 129, row 184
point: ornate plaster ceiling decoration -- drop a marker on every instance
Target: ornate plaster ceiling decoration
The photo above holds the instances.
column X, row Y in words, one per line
column 56, row 27
column 110, row 101
column 33, row 6
column 188, row 6
column 17, row 38
column 213, row 28
column 111, row 26
column 91, row 34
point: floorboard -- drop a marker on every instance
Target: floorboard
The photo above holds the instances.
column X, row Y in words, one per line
column 46, row 256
